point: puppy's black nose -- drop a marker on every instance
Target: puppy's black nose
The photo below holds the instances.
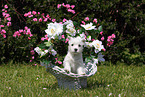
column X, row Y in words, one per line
column 76, row 50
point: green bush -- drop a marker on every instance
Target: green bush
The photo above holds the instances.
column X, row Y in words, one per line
column 124, row 18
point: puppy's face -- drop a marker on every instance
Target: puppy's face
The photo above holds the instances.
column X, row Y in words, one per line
column 76, row 45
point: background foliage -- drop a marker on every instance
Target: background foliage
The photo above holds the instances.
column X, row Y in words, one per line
column 125, row 18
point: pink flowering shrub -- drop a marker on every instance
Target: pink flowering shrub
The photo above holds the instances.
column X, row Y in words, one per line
column 14, row 44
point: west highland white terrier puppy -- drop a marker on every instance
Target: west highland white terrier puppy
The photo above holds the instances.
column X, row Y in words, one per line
column 73, row 61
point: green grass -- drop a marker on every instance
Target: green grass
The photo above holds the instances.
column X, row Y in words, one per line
column 18, row 80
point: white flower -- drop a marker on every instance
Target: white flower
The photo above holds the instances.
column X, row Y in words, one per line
column 54, row 29
column 83, row 36
column 46, row 51
column 100, row 57
column 53, row 52
column 38, row 50
column 88, row 26
column 69, row 23
column 70, row 28
column 71, row 31
column 42, row 54
column 98, row 45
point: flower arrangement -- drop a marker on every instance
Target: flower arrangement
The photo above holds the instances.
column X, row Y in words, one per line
column 57, row 33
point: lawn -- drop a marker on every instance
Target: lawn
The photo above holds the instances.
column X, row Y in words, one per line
column 17, row 80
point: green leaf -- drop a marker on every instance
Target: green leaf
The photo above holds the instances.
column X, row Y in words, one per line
column 48, row 43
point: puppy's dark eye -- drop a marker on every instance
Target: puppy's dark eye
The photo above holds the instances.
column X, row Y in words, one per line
column 79, row 45
column 72, row 44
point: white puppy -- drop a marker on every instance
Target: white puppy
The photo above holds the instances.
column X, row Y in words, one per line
column 73, row 61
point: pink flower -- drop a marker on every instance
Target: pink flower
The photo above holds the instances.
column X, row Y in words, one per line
column 9, row 24
column 110, row 40
column 29, row 13
column 31, row 35
column 113, row 36
column 2, row 26
column 32, row 52
column 72, row 6
column 58, row 5
column 30, row 60
column 35, row 19
column 33, row 57
column 87, row 19
column 34, row 12
column 45, row 19
column 26, row 28
column 35, row 64
column 95, row 20
column 109, row 37
column 101, row 32
column 62, row 36
column 4, row 14
column 21, row 30
column 42, row 38
column 64, row 20
column 3, row 9
column 3, row 31
column 83, row 22
column 24, row 32
column 6, row 6
column 102, row 38
column 38, row 12
column 29, row 38
column 67, row 6
column 47, row 16
column 66, row 40
column 26, row 14
column 72, row 11
column 4, row 35
column 63, row 5
column 104, row 49
column 59, row 62
column 93, row 39
column 16, row 34
column 40, row 20
column 53, row 20
column 43, row 14
column 9, row 19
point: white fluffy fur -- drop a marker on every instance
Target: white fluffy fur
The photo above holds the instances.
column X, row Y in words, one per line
column 73, row 61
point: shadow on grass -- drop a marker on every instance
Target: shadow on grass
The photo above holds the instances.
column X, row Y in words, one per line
column 95, row 85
